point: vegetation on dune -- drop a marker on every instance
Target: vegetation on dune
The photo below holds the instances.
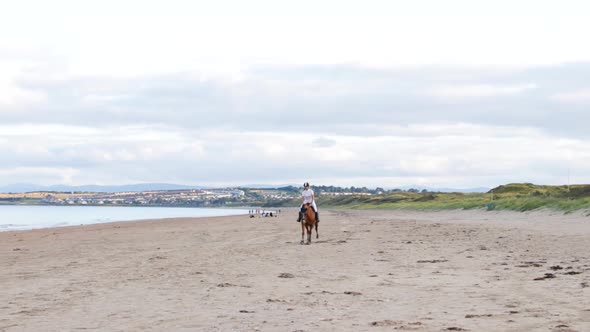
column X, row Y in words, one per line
column 516, row 197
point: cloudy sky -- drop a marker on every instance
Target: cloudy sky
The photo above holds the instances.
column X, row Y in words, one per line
column 366, row 93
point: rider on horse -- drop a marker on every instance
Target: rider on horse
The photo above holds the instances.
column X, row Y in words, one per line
column 308, row 197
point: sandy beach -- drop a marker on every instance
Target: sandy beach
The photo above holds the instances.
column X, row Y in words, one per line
column 368, row 271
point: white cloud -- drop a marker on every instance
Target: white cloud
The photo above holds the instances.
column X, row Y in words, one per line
column 12, row 96
column 334, row 154
column 581, row 96
column 227, row 37
column 324, row 142
column 109, row 156
column 40, row 174
column 457, row 92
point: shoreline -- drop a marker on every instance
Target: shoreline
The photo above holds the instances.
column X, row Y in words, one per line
column 21, row 218
column 368, row 271
column 463, row 215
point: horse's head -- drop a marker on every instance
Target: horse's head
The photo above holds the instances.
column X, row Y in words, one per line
column 308, row 212
column 305, row 207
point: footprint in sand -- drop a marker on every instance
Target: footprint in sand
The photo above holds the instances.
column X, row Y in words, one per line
column 226, row 284
column 275, row 301
column 432, row 261
column 352, row 293
column 477, row 316
column 399, row 325
column 563, row 328
column 547, row 276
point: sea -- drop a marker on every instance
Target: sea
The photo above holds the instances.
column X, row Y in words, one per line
column 23, row 217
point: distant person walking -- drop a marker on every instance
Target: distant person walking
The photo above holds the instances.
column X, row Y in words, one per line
column 308, row 197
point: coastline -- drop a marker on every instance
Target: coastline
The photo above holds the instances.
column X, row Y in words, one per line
column 372, row 270
column 37, row 217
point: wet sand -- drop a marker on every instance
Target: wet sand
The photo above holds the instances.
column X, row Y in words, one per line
column 368, row 271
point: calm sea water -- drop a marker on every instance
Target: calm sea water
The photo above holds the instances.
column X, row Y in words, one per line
column 13, row 217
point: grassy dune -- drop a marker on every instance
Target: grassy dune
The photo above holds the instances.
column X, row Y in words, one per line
column 516, row 197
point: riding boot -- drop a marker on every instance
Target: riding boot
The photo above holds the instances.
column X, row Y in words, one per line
column 317, row 218
column 300, row 217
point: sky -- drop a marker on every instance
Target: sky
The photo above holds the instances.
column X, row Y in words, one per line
column 369, row 93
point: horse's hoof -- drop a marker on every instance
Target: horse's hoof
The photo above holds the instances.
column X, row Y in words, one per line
column 307, row 243
column 301, row 242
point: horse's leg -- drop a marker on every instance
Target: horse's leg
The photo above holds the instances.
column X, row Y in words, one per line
column 302, row 231
column 317, row 235
column 309, row 231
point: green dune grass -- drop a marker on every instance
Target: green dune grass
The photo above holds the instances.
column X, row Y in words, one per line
column 515, row 197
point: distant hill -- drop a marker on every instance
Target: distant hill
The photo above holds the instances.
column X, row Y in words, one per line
column 27, row 187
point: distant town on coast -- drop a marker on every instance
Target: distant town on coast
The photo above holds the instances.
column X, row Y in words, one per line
column 516, row 196
column 209, row 197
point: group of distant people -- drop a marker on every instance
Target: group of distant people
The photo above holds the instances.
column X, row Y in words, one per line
column 262, row 213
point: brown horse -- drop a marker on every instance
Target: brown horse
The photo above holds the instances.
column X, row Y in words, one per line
column 307, row 223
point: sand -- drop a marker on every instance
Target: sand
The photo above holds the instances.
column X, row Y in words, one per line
column 369, row 271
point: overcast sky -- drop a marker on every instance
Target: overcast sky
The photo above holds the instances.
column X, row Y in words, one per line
column 365, row 93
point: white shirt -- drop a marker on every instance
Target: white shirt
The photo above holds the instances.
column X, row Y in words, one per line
column 307, row 194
